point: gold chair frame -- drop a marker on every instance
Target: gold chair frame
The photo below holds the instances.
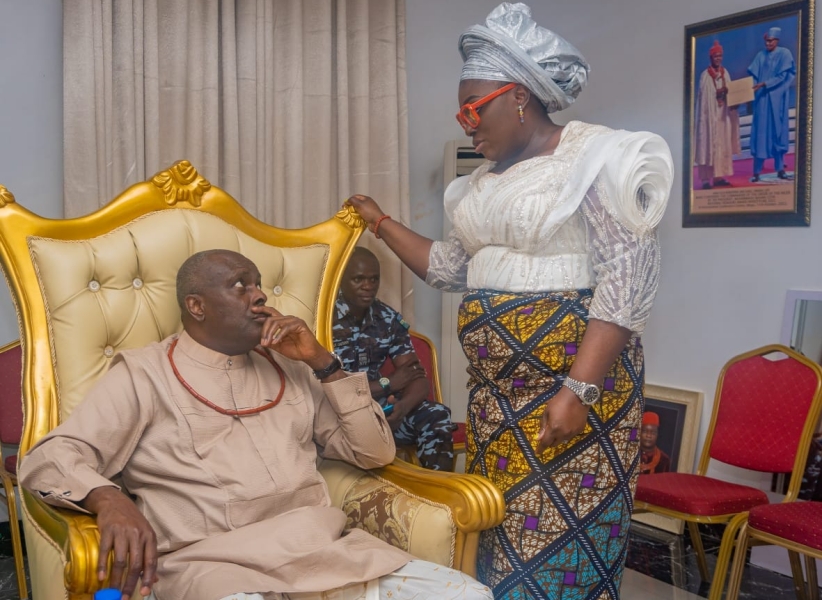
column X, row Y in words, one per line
column 749, row 536
column 475, row 503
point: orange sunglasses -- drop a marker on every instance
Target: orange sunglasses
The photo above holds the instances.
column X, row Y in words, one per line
column 468, row 115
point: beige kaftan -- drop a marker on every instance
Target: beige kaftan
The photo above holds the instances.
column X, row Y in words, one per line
column 237, row 503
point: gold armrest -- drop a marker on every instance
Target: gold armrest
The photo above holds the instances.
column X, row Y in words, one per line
column 77, row 536
column 476, row 503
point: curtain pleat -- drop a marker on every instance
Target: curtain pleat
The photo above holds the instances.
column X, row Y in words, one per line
column 290, row 106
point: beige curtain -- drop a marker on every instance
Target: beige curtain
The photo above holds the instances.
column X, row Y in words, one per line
column 290, row 106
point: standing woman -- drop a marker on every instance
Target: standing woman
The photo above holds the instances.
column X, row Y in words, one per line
column 554, row 243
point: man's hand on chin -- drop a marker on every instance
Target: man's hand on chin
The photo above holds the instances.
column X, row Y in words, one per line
column 290, row 336
column 126, row 532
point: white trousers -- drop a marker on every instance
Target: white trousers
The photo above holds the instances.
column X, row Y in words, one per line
column 418, row 579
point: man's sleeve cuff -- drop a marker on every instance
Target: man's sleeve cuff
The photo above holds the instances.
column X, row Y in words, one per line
column 348, row 394
column 71, row 494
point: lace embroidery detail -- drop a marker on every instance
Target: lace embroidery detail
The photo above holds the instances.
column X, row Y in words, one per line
column 626, row 264
column 504, row 240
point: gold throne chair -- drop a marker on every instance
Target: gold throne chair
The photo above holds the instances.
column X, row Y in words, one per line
column 86, row 288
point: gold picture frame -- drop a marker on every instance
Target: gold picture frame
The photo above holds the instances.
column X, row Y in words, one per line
column 748, row 118
column 679, row 412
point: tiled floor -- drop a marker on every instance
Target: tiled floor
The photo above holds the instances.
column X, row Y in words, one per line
column 671, row 561
column 656, row 560
column 8, row 579
column 636, row 586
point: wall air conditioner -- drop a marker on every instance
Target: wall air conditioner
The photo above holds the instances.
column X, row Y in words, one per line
column 459, row 160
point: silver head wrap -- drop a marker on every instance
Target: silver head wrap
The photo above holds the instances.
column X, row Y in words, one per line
column 774, row 32
column 512, row 47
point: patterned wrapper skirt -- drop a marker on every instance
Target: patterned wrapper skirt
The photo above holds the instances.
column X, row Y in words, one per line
column 568, row 509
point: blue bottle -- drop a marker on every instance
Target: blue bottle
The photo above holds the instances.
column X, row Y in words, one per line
column 108, row 594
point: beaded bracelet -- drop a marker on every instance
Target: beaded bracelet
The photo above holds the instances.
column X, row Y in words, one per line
column 377, row 226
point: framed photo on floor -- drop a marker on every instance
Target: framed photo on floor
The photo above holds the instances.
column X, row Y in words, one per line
column 670, row 427
column 747, row 121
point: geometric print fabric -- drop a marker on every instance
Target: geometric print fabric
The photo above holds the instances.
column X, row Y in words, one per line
column 568, row 510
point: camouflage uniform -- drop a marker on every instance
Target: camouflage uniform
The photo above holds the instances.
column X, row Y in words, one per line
column 383, row 334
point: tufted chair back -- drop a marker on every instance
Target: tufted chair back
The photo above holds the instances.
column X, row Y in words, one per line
column 762, row 412
column 86, row 288
column 117, row 290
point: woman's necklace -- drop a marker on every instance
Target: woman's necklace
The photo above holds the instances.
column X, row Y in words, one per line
column 227, row 411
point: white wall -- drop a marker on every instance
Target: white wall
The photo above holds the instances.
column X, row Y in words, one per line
column 722, row 289
column 31, row 116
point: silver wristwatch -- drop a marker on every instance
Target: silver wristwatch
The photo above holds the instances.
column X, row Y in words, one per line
column 588, row 393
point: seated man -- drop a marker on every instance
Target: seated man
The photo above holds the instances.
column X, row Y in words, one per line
column 366, row 332
column 216, row 439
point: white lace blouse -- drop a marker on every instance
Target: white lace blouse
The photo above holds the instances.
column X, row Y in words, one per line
column 583, row 217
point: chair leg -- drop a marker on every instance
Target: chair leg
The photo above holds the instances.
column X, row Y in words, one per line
column 738, row 564
column 796, row 572
column 696, row 540
column 16, row 544
column 726, row 549
column 813, row 584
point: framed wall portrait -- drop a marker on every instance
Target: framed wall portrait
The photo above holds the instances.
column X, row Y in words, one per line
column 747, row 122
column 670, row 427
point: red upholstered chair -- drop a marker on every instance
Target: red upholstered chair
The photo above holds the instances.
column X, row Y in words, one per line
column 11, row 428
column 427, row 353
column 763, row 418
column 795, row 526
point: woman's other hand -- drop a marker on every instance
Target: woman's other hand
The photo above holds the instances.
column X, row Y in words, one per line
column 563, row 419
column 369, row 210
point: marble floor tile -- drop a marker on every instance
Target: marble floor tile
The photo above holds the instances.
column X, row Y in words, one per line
column 671, row 559
column 8, row 579
column 636, row 586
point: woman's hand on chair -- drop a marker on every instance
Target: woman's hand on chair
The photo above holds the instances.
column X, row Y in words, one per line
column 366, row 207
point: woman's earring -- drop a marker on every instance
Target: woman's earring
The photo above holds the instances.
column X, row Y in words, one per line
column 521, row 114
